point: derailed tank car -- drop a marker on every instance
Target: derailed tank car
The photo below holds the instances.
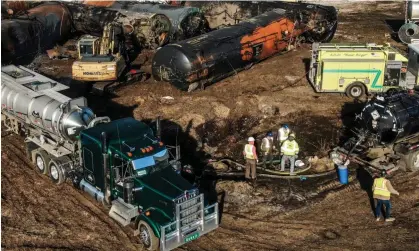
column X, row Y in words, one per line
column 387, row 133
column 392, row 117
column 186, row 22
column 213, row 56
column 145, row 30
column 39, row 29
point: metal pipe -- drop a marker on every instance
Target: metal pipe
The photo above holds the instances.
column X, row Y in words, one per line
column 105, row 166
column 158, row 127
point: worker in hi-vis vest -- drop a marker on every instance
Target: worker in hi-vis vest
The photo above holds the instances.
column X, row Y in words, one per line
column 289, row 151
column 251, row 157
column 267, row 148
column 283, row 133
column 382, row 189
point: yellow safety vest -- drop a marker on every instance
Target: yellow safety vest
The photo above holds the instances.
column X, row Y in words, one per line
column 380, row 187
column 290, row 147
column 248, row 149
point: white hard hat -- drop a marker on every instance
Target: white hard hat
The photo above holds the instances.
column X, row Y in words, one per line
column 251, row 139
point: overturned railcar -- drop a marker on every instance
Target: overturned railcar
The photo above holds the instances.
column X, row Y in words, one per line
column 213, row 56
column 387, row 133
column 186, row 22
column 39, row 29
column 392, row 117
column 144, row 30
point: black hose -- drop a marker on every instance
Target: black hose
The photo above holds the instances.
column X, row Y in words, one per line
column 276, row 176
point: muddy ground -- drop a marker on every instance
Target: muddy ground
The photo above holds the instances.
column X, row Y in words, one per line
column 317, row 214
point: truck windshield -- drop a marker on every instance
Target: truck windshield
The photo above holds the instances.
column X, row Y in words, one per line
column 160, row 165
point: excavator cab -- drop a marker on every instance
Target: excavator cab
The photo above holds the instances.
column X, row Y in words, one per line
column 88, row 46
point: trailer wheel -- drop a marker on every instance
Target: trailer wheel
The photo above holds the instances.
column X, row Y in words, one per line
column 41, row 160
column 412, row 161
column 147, row 237
column 56, row 173
column 355, row 90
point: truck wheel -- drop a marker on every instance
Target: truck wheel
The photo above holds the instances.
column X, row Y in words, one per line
column 355, row 90
column 412, row 161
column 147, row 237
column 41, row 160
column 56, row 173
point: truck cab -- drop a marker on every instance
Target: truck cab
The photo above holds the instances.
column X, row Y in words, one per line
column 127, row 167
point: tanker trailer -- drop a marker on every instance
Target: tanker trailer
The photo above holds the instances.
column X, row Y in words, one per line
column 218, row 54
column 387, row 132
column 186, row 22
column 39, row 29
column 143, row 30
column 120, row 163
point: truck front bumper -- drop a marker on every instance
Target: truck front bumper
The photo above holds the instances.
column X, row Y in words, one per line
column 184, row 235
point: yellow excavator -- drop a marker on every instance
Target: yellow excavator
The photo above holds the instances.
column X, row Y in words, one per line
column 99, row 59
column 102, row 60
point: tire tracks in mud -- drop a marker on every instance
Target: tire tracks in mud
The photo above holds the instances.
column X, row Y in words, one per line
column 38, row 214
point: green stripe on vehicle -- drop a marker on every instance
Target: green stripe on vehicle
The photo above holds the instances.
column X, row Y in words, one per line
column 374, row 82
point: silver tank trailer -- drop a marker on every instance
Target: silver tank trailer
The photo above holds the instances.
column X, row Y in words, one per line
column 36, row 100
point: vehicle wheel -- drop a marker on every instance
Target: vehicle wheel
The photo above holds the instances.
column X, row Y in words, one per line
column 412, row 161
column 147, row 237
column 355, row 90
column 56, row 173
column 41, row 160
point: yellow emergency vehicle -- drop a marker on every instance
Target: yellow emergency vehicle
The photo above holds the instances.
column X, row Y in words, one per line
column 357, row 69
